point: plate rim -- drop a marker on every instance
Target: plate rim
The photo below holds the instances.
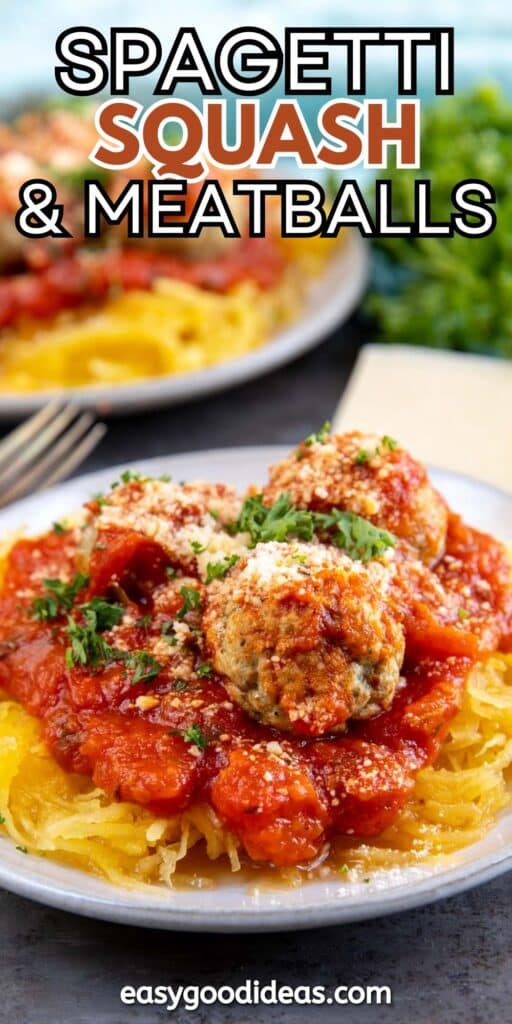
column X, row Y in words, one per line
column 225, row 921
column 119, row 909
column 293, row 340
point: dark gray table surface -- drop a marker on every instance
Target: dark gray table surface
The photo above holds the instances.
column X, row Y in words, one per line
column 447, row 963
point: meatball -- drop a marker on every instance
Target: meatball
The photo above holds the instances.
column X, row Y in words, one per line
column 370, row 476
column 187, row 520
column 305, row 637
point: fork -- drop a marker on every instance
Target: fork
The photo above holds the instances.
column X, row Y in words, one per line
column 46, row 449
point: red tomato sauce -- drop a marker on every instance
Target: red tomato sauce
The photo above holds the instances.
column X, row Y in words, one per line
column 82, row 279
column 285, row 808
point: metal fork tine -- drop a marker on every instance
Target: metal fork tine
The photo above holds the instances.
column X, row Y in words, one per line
column 26, row 431
column 77, row 456
column 59, row 460
column 29, row 453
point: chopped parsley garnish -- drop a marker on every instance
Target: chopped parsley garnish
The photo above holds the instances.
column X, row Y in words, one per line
column 197, row 547
column 319, row 436
column 145, row 665
column 344, row 869
column 128, row 476
column 191, row 601
column 59, row 597
column 59, row 528
column 356, row 536
column 362, row 456
column 462, row 614
column 194, row 735
column 101, row 615
column 204, row 670
column 2, row 819
column 88, row 646
column 216, row 570
column 170, row 572
column 276, row 522
column 22, row 849
column 144, row 622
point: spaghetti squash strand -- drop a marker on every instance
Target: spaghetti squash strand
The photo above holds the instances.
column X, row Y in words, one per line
column 57, row 814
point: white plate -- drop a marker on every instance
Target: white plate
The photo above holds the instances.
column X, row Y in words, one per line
column 234, row 907
column 329, row 302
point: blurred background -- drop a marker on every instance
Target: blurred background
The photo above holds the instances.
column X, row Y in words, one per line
column 448, row 295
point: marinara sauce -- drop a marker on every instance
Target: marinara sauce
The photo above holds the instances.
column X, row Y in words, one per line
column 166, row 735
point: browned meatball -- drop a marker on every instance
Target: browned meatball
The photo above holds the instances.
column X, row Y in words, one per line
column 186, row 520
column 370, row 476
column 305, row 637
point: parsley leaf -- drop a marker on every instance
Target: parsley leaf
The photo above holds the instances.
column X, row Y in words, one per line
column 129, row 475
column 59, row 597
column 2, row 819
column 59, row 528
column 356, row 536
column 145, row 665
column 362, row 456
column 216, row 570
column 197, row 547
column 88, row 646
column 195, row 735
column 101, row 615
column 191, row 601
column 276, row 522
column 204, row 670
column 320, row 436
